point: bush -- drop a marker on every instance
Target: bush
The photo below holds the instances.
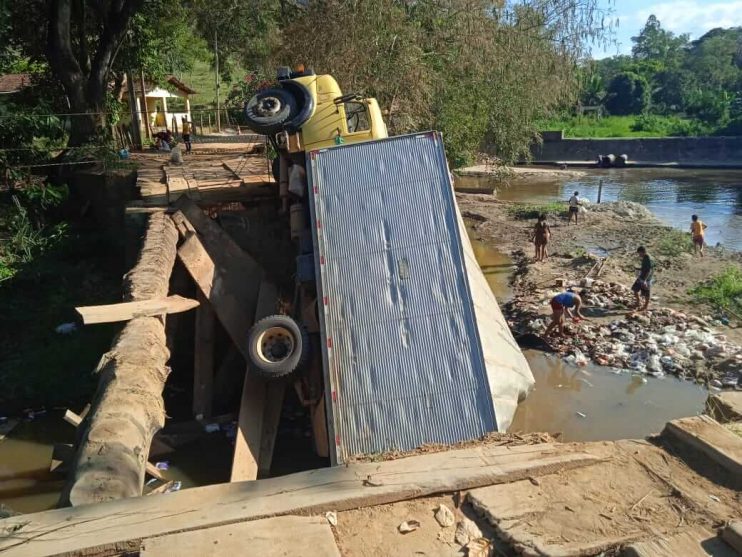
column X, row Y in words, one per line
column 732, row 128
column 628, row 93
column 674, row 243
column 649, row 123
column 724, row 291
column 526, row 212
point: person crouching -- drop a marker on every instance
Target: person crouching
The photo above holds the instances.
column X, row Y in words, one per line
column 561, row 305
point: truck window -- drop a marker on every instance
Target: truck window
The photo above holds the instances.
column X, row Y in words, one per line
column 356, row 114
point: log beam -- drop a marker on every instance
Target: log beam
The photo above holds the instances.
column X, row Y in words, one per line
column 114, row 438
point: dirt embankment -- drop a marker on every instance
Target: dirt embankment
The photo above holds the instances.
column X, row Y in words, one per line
column 677, row 335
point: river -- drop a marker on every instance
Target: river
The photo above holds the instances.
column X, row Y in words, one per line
column 673, row 195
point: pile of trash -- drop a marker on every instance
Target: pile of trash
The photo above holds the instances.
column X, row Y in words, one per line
column 656, row 343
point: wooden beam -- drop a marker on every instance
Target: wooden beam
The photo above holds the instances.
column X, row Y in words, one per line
column 708, row 436
column 248, row 443
column 203, row 360
column 274, row 394
column 117, row 525
column 125, row 311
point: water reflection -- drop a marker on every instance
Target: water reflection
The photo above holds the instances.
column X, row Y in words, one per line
column 671, row 194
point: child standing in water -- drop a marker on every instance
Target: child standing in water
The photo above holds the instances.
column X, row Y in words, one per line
column 541, row 236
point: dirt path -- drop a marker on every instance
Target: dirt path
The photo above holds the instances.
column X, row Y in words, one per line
column 676, row 336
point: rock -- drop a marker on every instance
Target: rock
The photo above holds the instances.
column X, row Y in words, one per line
column 696, row 355
column 444, row 516
column 408, row 526
column 467, row 531
column 332, row 517
column 715, row 351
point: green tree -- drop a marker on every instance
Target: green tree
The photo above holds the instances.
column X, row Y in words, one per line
column 628, row 93
column 655, row 43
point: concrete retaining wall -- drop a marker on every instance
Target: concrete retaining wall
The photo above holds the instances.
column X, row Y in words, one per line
column 723, row 150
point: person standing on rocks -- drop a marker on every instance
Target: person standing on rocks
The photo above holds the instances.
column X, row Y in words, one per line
column 574, row 207
column 562, row 305
column 697, row 228
column 642, row 286
column 541, row 235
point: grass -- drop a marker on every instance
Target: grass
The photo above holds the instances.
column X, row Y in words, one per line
column 624, row 126
column 44, row 279
column 724, row 291
column 674, row 242
column 201, row 78
column 532, row 211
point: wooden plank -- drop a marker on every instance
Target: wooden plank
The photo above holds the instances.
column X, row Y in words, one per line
column 203, row 359
column 71, row 418
column 125, row 311
column 271, row 419
column 280, row 536
column 249, row 429
column 732, row 534
column 120, row 524
column 690, row 543
column 248, row 443
column 725, row 406
column 230, row 286
column 708, row 436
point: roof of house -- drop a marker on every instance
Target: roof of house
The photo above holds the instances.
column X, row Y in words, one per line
column 14, row 82
column 150, row 85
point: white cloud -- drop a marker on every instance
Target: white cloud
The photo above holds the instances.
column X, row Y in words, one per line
column 693, row 16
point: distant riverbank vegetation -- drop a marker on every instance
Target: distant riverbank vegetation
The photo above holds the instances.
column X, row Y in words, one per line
column 668, row 86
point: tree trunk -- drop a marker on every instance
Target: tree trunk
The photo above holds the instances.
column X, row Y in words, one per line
column 114, row 439
column 85, row 81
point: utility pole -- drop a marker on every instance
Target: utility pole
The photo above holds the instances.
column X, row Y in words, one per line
column 136, row 129
column 216, row 79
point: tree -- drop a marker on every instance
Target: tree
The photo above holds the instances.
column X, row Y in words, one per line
column 628, row 93
column 655, row 43
column 83, row 39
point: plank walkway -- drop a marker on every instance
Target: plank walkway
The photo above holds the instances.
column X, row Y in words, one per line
column 122, row 525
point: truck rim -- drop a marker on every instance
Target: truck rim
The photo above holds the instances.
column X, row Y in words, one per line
column 268, row 106
column 275, row 345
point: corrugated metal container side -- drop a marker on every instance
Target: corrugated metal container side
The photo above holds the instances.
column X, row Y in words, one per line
column 404, row 362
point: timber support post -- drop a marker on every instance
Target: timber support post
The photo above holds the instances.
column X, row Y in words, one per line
column 114, row 438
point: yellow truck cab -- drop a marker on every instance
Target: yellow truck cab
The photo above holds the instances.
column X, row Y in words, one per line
column 307, row 111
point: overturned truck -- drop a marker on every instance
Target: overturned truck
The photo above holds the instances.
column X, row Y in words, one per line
column 411, row 347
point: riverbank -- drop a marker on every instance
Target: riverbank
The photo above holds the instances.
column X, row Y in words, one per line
column 678, row 335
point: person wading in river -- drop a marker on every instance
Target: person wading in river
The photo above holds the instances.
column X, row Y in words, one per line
column 697, row 228
column 643, row 283
column 541, row 236
column 574, row 207
column 562, row 305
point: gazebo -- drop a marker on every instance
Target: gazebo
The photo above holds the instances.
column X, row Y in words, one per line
column 158, row 114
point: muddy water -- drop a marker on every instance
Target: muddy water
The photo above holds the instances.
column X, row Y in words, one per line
column 590, row 403
column 671, row 194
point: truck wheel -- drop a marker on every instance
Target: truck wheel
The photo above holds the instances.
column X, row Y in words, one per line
column 277, row 346
column 269, row 110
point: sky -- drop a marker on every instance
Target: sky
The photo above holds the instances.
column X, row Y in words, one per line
column 682, row 16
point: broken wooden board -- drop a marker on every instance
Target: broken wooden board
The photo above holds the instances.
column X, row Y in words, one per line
column 708, row 436
column 732, row 534
column 725, row 406
column 125, row 311
column 281, row 536
column 248, row 442
column 122, row 524
column 203, row 359
column 689, row 543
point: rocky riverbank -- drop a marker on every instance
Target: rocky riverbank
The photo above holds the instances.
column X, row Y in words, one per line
column 598, row 259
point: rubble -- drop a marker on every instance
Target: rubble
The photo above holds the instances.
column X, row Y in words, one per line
column 658, row 342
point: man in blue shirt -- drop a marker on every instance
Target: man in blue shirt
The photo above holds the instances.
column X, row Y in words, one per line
column 562, row 304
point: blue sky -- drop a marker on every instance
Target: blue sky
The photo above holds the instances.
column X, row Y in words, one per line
column 681, row 16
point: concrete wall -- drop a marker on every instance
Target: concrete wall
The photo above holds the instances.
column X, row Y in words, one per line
column 667, row 149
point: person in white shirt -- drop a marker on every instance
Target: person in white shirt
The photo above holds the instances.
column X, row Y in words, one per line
column 574, row 207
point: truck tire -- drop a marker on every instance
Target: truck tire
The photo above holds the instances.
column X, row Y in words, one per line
column 267, row 111
column 277, row 346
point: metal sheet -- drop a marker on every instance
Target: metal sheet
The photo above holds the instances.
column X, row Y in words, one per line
column 403, row 359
